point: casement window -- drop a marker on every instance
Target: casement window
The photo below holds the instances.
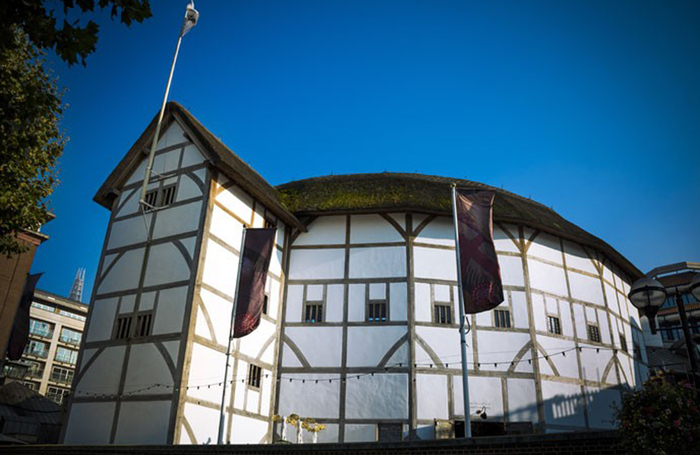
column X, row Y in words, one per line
column 144, row 322
column 389, row 432
column 37, row 348
column 442, row 313
column 41, row 328
column 35, row 370
column 593, row 333
column 377, row 311
column 123, row 330
column 254, row 376
column 313, row 312
column 63, row 375
column 68, row 356
column 502, row 318
column 32, row 385
column 130, row 326
column 160, row 197
column 554, row 325
column 70, row 336
column 623, row 343
column 57, row 394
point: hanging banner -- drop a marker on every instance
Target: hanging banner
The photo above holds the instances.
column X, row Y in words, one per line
column 481, row 277
column 250, row 292
column 20, row 327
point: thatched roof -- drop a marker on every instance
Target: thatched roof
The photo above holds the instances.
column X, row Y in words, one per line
column 220, row 156
column 395, row 192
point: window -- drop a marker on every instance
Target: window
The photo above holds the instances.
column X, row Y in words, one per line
column 40, row 328
column 123, row 328
column 41, row 306
column 70, row 336
column 57, row 394
column 443, row 313
column 35, row 370
column 66, row 355
column 593, row 333
column 376, row 311
column 264, row 305
column 71, row 315
column 254, row 376
column 160, row 197
column 63, row 375
column 270, row 223
column 313, row 312
column 637, row 351
column 502, row 318
column 389, row 432
column 554, row 325
column 37, row 348
column 623, row 343
column 143, row 324
column 14, row 371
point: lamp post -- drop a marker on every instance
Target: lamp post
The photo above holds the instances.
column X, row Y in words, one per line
column 648, row 295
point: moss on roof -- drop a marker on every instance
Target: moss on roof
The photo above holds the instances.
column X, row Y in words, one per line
column 395, row 192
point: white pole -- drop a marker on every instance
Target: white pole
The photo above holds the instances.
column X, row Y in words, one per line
column 462, row 328
column 151, row 155
column 230, row 339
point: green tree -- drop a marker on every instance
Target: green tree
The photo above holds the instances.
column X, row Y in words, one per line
column 661, row 418
column 31, row 140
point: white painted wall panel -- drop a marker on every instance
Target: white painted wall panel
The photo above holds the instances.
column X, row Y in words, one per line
column 360, row 432
column 191, row 156
column 166, row 264
column 511, row 270
column 334, row 303
column 143, row 422
column 128, row 232
column 496, row 346
column 102, row 317
column 219, row 310
column 431, row 390
column 398, row 301
column 520, row 313
column 245, row 430
column 378, row 262
column 316, row 264
column 382, row 396
column 326, row 230
column 295, row 397
column 440, row 231
column 220, row 268
column 576, row 258
column 226, row 227
column 356, row 302
column 146, row 366
column 600, row 401
column 483, row 391
column 434, row 263
column 124, row 274
column 177, row 220
column 522, row 400
column 546, row 246
column 204, row 422
column 422, row 303
column 295, row 296
column 586, row 288
column 368, row 345
column 372, row 229
column 547, row 278
column 171, row 304
column 90, row 423
column 563, row 404
column 103, row 375
column 325, row 354
column 503, row 242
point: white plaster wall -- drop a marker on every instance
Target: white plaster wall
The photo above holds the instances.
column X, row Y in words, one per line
column 522, row 400
column 576, row 258
column 600, row 402
column 546, row 246
column 177, row 220
column 434, row 263
column 382, row 396
column 563, row 404
column 368, row 345
column 378, row 262
column 586, row 288
column 547, row 278
column 440, row 231
column 398, row 301
column 431, row 390
column 511, row 270
column 326, row 230
column 220, row 268
column 146, row 366
column 294, row 303
column 128, row 232
column 143, row 422
column 90, row 423
column 499, row 346
column 316, row 264
column 322, row 346
column 372, row 229
column 102, row 319
column 102, row 377
column 360, row 432
column 423, row 309
column 334, row 303
column 310, row 399
column 483, row 392
column 246, row 430
column 171, row 303
column 124, row 274
column 502, row 240
column 166, row 264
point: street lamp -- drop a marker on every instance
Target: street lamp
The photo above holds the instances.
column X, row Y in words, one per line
column 648, row 295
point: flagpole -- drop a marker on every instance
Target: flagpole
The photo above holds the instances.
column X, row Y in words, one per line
column 191, row 17
column 230, row 339
column 462, row 328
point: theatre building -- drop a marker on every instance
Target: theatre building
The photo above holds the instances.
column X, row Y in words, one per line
column 360, row 326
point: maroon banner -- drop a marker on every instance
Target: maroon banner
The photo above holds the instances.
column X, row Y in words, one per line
column 20, row 326
column 481, row 276
column 250, row 294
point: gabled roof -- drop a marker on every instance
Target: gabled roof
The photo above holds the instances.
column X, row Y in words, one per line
column 390, row 191
column 220, row 156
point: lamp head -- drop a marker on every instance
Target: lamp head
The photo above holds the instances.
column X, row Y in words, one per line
column 648, row 295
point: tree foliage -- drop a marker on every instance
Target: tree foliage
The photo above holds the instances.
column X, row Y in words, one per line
column 662, row 418
column 70, row 40
column 31, row 140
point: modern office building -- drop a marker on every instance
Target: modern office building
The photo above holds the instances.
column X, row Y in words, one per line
column 55, row 331
column 360, row 327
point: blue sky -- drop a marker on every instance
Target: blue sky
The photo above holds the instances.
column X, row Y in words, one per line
column 591, row 107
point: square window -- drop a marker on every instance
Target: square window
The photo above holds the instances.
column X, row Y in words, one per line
column 254, row 376
column 143, row 324
column 623, row 343
column 593, row 333
column 554, row 325
column 167, row 195
column 123, row 328
column 264, row 305
column 151, row 199
column 502, row 318
column 377, row 311
column 57, row 394
column 313, row 312
column 443, row 313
